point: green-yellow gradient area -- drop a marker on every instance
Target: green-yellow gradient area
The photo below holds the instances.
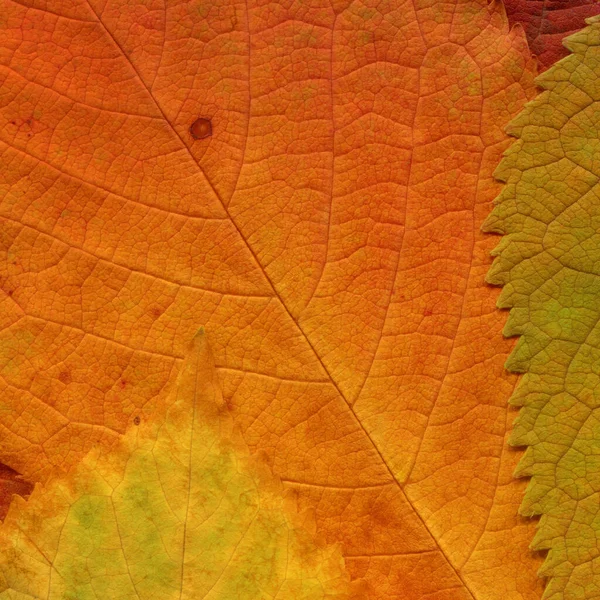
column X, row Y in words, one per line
column 549, row 265
column 179, row 511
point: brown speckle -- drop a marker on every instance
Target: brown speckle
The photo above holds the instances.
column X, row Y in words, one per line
column 201, row 128
column 65, row 377
column 136, row 420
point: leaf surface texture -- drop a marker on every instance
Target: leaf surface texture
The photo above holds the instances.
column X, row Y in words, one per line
column 178, row 510
column 548, row 265
column 547, row 22
column 326, row 233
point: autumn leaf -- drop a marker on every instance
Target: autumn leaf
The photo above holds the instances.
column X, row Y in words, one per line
column 547, row 22
column 548, row 264
column 177, row 511
column 11, row 483
column 308, row 181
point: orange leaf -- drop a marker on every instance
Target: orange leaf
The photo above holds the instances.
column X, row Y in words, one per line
column 308, row 182
column 177, row 510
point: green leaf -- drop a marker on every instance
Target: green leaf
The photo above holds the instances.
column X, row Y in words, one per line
column 549, row 265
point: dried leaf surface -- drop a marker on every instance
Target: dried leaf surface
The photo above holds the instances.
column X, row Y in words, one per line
column 548, row 265
column 11, row 483
column 547, row 22
column 326, row 232
column 178, row 510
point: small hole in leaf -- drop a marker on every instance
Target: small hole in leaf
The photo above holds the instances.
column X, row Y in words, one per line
column 201, row 128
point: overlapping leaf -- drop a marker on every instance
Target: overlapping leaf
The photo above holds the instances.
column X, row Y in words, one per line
column 548, row 264
column 11, row 483
column 178, row 511
column 327, row 232
column 547, row 22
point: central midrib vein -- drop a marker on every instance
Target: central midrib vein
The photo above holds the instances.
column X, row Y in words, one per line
column 276, row 295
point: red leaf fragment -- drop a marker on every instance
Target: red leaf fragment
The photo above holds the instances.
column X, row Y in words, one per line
column 547, row 22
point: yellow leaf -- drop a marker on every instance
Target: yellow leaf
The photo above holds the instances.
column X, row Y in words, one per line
column 178, row 510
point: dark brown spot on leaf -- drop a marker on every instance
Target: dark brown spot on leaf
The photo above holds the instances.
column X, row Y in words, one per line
column 11, row 483
column 201, row 128
column 65, row 377
column 136, row 420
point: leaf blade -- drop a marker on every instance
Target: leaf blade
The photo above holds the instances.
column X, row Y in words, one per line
column 121, row 525
column 141, row 298
column 550, row 286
